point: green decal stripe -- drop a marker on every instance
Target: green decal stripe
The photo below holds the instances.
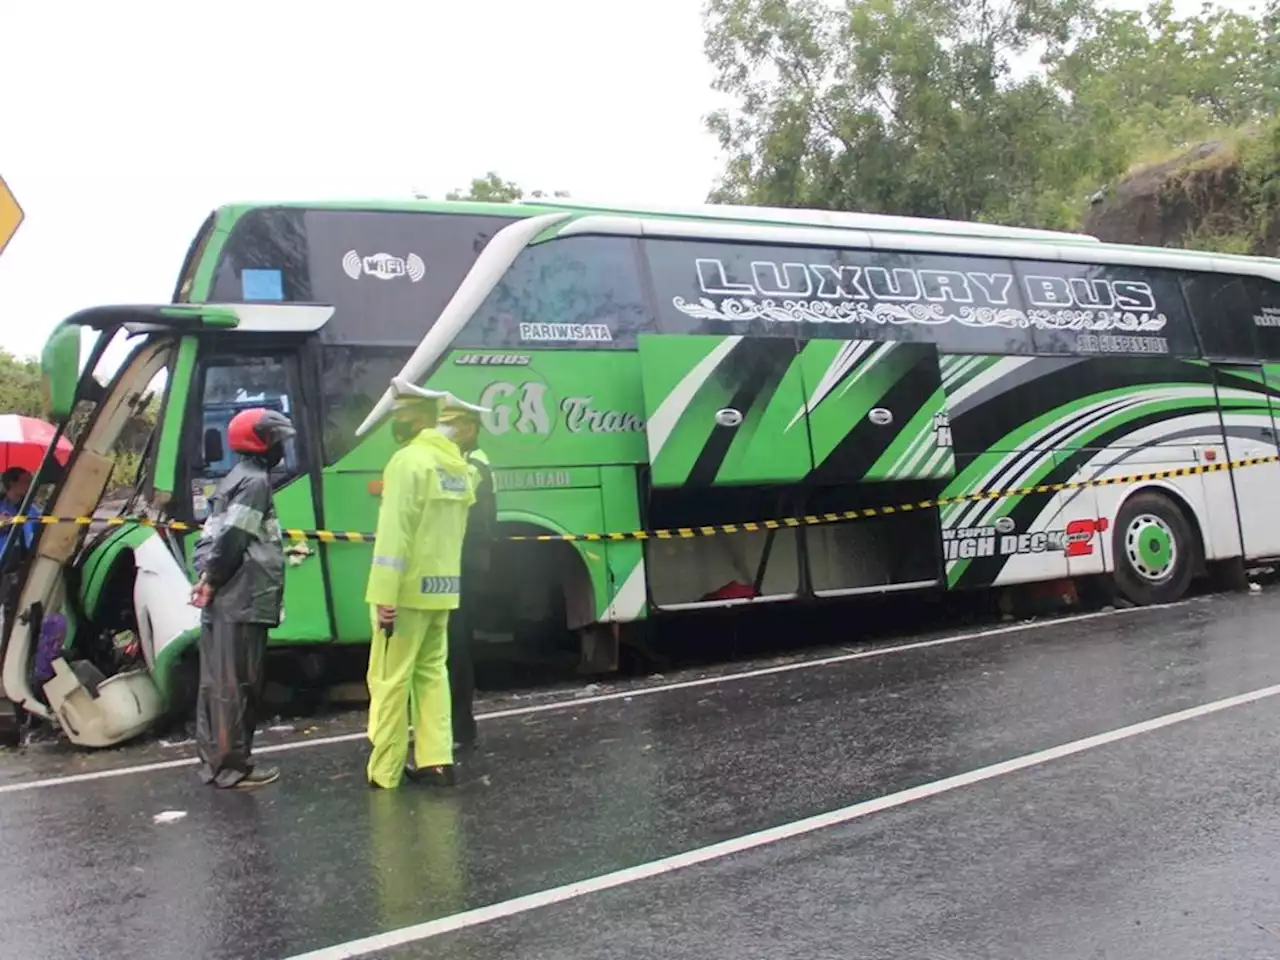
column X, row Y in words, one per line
column 911, row 454
column 665, row 362
column 974, row 475
column 175, row 405
column 769, row 447
column 966, row 367
column 687, row 441
column 1049, row 461
column 833, row 418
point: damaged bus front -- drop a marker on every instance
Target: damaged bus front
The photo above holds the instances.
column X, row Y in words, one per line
column 95, row 614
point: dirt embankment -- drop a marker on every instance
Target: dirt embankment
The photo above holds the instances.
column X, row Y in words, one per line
column 1221, row 195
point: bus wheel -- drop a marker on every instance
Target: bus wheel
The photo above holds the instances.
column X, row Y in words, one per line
column 599, row 645
column 1154, row 550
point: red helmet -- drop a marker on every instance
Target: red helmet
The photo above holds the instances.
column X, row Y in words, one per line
column 258, row 429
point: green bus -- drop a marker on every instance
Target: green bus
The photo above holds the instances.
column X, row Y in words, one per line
column 717, row 370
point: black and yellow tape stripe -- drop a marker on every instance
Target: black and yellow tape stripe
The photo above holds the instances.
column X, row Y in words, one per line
column 290, row 533
column 710, row 530
column 843, row 516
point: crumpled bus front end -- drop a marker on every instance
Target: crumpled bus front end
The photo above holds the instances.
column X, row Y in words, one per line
column 68, row 588
column 96, row 613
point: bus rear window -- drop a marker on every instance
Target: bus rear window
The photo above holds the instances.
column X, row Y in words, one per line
column 388, row 273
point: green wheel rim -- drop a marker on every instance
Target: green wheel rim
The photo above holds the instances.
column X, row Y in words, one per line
column 1151, row 547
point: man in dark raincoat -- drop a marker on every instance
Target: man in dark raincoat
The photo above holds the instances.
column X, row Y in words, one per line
column 461, row 424
column 240, row 559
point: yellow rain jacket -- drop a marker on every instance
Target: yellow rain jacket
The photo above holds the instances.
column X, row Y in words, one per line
column 428, row 487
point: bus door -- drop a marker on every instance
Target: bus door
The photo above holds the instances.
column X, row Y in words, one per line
column 230, row 377
column 881, row 436
column 728, row 443
column 1248, row 413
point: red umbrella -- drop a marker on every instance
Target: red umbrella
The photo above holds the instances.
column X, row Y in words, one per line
column 23, row 441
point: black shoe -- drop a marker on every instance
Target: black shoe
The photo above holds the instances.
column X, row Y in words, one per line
column 444, row 776
column 258, row 777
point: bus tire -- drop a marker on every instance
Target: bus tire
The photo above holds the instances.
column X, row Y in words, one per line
column 1154, row 550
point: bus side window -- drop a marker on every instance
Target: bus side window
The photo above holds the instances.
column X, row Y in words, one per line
column 230, row 386
column 1222, row 313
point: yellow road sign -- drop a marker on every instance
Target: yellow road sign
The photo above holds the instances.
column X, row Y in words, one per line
column 10, row 215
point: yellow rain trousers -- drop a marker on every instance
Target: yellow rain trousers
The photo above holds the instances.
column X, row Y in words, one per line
column 426, row 492
column 409, row 669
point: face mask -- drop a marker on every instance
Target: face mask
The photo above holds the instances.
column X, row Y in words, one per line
column 403, row 431
column 274, row 454
column 447, row 431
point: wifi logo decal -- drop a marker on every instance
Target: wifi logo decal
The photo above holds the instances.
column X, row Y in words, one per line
column 384, row 266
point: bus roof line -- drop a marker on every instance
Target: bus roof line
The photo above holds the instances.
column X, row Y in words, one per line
column 837, row 219
column 495, row 259
column 797, row 216
column 1100, row 253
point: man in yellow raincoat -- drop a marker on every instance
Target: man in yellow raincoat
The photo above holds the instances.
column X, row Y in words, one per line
column 414, row 582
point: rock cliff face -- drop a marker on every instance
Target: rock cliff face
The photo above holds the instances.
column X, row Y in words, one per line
column 1221, row 195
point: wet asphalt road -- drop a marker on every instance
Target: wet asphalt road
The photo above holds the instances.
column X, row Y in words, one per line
column 1164, row 845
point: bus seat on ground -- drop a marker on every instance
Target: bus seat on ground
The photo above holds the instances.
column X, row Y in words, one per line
column 107, row 711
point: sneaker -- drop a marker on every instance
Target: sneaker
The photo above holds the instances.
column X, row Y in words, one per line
column 432, row 776
column 258, row 777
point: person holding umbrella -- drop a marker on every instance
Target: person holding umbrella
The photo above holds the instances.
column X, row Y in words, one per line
column 24, row 442
column 16, row 482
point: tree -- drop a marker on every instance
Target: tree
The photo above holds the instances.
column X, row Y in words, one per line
column 491, row 188
column 926, row 107
column 1172, row 79
column 1271, row 41
column 20, row 390
column 21, row 393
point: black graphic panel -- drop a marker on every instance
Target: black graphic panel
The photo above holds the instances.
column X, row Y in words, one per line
column 964, row 304
column 1105, row 309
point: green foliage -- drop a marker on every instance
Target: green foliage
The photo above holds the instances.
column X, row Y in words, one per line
column 20, row 385
column 938, row 108
column 491, row 188
column 1234, row 193
column 20, row 394
column 124, row 472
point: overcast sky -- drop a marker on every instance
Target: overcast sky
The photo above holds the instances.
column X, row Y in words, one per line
column 124, row 124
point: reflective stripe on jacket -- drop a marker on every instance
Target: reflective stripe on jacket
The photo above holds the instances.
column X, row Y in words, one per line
column 241, row 549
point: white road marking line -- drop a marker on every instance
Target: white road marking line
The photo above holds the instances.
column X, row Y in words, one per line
column 726, row 848
column 569, row 703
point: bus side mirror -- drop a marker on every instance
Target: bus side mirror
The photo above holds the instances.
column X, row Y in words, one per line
column 212, row 446
column 60, row 372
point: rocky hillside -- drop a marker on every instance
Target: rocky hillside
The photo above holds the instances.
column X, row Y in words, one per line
column 1217, row 195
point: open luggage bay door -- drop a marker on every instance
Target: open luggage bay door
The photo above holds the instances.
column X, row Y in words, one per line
column 724, row 411
column 728, row 442
column 877, row 411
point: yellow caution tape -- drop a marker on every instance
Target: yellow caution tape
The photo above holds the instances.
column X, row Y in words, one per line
column 708, row 530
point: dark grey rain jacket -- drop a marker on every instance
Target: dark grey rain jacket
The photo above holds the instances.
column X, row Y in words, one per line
column 241, row 551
